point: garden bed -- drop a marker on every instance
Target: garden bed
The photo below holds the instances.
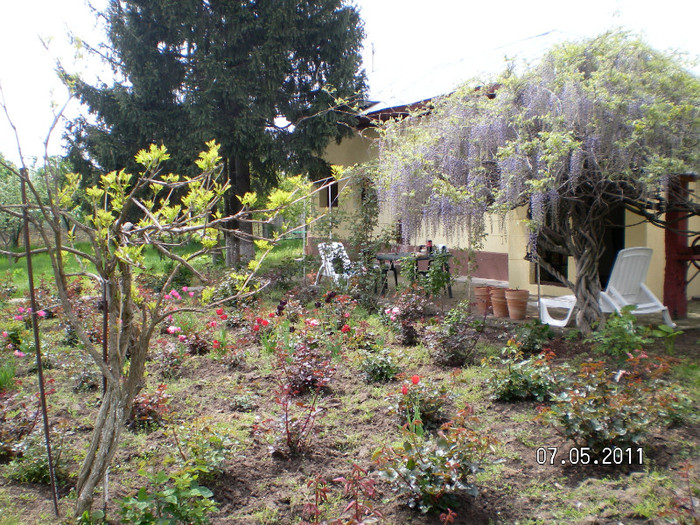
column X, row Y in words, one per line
column 227, row 406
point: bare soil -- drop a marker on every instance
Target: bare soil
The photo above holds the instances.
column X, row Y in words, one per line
column 258, row 486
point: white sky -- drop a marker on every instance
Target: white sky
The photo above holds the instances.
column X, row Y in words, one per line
column 422, row 48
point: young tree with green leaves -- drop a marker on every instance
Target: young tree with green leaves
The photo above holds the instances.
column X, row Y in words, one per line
column 263, row 79
column 596, row 124
column 114, row 257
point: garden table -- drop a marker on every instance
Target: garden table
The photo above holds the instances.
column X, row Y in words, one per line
column 393, row 258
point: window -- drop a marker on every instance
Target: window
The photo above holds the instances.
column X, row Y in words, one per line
column 329, row 194
column 559, row 261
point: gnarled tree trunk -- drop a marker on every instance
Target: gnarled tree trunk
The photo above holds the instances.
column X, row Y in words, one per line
column 126, row 337
column 586, row 247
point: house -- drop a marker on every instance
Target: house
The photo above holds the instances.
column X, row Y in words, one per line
column 502, row 257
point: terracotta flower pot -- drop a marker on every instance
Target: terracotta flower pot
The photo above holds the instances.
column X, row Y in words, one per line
column 498, row 301
column 517, row 303
column 482, row 299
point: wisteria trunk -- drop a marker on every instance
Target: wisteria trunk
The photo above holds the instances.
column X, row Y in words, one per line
column 587, row 283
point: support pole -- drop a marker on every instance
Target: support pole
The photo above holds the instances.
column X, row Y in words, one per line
column 105, row 358
column 676, row 245
column 37, row 347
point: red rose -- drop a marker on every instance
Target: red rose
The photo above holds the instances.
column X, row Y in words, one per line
column 256, row 327
column 404, row 390
column 345, row 329
column 216, row 344
column 258, row 320
column 265, row 322
column 415, row 379
column 219, row 311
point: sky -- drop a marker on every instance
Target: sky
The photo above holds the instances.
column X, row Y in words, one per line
column 414, row 49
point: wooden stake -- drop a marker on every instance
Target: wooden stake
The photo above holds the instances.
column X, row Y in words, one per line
column 37, row 348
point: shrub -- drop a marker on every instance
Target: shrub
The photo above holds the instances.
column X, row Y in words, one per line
column 307, row 368
column 453, row 343
column 32, row 464
column 149, row 410
column 668, row 336
column 430, row 473
column 454, row 350
column 522, row 379
column 420, row 399
column 620, row 334
column 176, row 498
column 411, row 306
column 379, row 367
column 359, row 487
column 601, row 409
column 533, row 336
column 18, row 417
column 597, row 412
column 16, row 332
column 676, row 407
column 232, row 359
column 461, row 316
column 196, row 345
column 235, row 283
column 87, row 381
column 297, row 424
column 170, row 359
column 200, row 448
column 363, row 284
column 437, row 277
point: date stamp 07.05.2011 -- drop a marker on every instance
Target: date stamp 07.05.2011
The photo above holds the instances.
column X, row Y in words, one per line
column 586, row 456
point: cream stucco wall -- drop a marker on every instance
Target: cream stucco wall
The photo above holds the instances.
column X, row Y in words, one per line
column 353, row 150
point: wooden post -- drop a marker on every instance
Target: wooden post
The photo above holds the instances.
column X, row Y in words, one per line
column 676, row 244
column 24, row 175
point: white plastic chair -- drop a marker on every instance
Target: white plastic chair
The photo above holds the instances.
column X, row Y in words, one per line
column 331, row 252
column 626, row 286
column 567, row 302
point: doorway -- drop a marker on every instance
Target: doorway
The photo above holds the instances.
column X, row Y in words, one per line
column 613, row 242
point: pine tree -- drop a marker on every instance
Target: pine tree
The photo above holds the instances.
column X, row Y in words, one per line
column 193, row 71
